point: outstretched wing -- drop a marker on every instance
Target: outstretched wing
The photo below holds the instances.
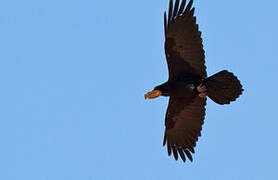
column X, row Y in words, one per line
column 183, row 43
column 184, row 120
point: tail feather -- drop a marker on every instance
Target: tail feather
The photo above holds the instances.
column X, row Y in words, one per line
column 223, row 87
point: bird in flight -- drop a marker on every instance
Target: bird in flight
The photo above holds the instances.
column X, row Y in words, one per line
column 188, row 85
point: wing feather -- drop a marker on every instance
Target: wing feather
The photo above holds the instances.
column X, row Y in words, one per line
column 186, row 117
column 188, row 155
column 165, row 23
column 182, row 7
column 183, row 43
column 176, row 8
column 181, row 154
column 170, row 11
column 188, row 7
column 175, row 153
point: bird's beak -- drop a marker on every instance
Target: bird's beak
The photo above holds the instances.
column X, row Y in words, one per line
column 153, row 94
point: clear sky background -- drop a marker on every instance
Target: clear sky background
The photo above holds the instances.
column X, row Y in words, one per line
column 73, row 74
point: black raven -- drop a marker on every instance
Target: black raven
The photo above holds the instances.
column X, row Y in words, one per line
column 188, row 84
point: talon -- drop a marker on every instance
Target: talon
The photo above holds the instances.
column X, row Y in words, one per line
column 203, row 95
column 202, row 91
column 201, row 88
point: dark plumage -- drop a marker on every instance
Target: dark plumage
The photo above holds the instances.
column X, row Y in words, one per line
column 188, row 84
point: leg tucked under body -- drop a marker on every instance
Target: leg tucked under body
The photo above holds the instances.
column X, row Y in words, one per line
column 202, row 91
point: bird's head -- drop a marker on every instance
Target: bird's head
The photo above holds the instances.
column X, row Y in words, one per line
column 161, row 90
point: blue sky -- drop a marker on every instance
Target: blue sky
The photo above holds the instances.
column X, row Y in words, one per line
column 73, row 75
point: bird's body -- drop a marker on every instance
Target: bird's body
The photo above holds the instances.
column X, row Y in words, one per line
column 180, row 88
column 188, row 84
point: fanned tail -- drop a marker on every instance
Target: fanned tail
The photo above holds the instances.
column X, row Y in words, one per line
column 223, row 87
